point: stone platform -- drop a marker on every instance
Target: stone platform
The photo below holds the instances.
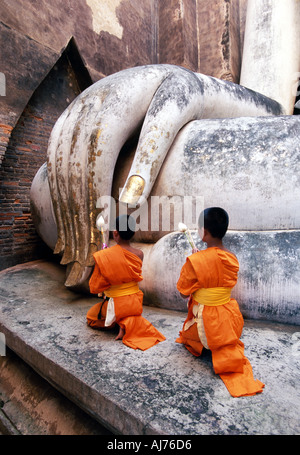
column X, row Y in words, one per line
column 162, row 391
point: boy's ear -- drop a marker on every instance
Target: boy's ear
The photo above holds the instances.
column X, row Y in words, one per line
column 201, row 232
column 205, row 233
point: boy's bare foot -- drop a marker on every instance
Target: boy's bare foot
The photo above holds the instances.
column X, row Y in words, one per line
column 120, row 334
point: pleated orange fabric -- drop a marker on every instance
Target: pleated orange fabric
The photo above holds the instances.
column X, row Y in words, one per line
column 223, row 324
column 115, row 266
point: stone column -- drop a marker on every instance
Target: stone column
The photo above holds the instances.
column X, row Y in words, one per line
column 177, row 33
column 201, row 36
column 218, row 25
column 271, row 55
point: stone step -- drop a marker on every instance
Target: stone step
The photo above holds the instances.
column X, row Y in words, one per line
column 29, row 405
column 162, row 391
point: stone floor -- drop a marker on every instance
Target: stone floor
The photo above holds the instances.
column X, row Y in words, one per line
column 161, row 391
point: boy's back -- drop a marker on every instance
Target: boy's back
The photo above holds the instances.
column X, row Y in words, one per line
column 214, row 320
column 207, row 269
column 117, row 271
column 114, row 265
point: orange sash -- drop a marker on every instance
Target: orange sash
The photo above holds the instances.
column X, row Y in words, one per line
column 212, row 296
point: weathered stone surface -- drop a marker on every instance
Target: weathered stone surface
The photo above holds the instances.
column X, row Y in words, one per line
column 242, row 19
column 42, row 208
column 30, row 406
column 269, row 276
column 271, row 54
column 33, row 37
column 164, row 390
column 25, row 64
column 249, row 166
column 111, row 35
column 181, row 98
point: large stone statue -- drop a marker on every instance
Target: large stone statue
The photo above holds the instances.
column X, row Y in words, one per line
column 197, row 136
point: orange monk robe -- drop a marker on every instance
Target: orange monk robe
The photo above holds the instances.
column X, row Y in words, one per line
column 216, row 325
column 117, row 272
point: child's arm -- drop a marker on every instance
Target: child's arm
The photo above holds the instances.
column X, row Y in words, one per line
column 188, row 281
column 98, row 282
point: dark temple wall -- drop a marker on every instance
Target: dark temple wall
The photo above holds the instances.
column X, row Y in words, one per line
column 25, row 153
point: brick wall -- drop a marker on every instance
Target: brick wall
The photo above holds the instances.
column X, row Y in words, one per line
column 5, row 132
column 24, row 155
column 25, row 151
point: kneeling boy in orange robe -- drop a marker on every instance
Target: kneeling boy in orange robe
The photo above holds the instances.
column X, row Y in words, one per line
column 214, row 320
column 117, row 272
